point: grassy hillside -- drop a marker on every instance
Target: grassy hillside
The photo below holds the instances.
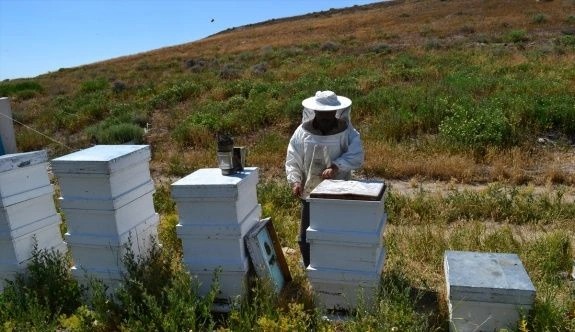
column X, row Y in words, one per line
column 477, row 91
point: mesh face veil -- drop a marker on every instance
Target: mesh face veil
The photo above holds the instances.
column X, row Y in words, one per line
column 344, row 114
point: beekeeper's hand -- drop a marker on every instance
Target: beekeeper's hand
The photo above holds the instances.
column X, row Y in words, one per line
column 330, row 172
column 296, row 189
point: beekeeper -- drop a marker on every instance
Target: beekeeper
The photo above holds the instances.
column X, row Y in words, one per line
column 324, row 146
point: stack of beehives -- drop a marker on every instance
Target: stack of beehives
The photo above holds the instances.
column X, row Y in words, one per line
column 107, row 199
column 215, row 213
column 28, row 216
column 347, row 254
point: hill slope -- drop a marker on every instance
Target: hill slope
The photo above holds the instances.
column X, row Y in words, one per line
column 408, row 66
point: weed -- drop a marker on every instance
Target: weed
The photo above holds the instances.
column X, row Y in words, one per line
column 94, row 85
column 517, row 36
column 539, row 18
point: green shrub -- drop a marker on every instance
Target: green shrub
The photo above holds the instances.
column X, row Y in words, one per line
column 566, row 40
column 517, row 36
column 175, row 94
column 539, row 18
column 36, row 297
column 475, row 127
column 94, row 85
column 117, row 134
column 8, row 89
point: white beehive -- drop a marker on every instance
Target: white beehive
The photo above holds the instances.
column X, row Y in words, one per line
column 345, row 289
column 486, row 291
column 102, row 172
column 208, row 197
column 93, row 252
column 17, row 250
column 29, row 215
column 353, row 206
column 108, row 218
column 214, row 246
column 345, row 250
column 23, row 176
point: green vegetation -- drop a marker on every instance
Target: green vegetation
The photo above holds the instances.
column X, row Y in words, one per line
column 158, row 294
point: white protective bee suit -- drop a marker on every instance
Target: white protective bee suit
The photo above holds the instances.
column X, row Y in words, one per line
column 314, row 148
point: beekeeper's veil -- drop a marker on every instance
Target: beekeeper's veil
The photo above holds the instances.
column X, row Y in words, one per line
column 327, row 101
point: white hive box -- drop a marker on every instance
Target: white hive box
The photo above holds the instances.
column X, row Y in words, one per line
column 102, row 172
column 27, row 216
column 486, row 291
column 208, row 197
column 16, row 250
column 23, row 176
column 212, row 246
column 109, row 218
column 357, row 251
column 355, row 206
column 345, row 289
column 92, row 252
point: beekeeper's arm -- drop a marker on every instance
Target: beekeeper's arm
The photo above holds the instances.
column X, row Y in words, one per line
column 294, row 162
column 354, row 156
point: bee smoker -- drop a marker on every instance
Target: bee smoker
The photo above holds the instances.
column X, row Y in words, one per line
column 230, row 159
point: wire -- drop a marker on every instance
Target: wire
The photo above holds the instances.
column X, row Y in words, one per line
column 36, row 131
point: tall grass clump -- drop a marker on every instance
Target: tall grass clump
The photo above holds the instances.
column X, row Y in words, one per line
column 394, row 309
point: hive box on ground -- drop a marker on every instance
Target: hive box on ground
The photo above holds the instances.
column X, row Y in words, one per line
column 112, row 220
column 486, row 291
column 23, row 176
column 16, row 250
column 345, row 289
column 355, row 206
column 92, row 252
column 208, row 197
column 102, row 172
column 359, row 251
column 215, row 246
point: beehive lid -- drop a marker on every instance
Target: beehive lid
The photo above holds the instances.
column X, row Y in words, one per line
column 350, row 190
column 487, row 277
column 101, row 159
column 13, row 161
column 209, row 183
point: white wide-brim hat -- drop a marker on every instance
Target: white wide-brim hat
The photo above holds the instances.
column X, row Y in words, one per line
column 326, row 101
